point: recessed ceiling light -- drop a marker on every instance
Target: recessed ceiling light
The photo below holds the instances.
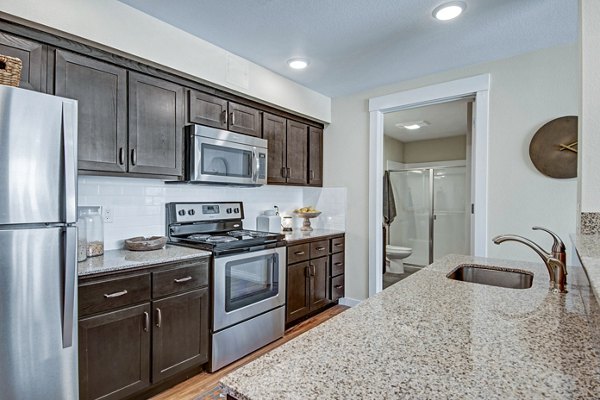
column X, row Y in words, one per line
column 412, row 125
column 448, row 11
column 297, row 63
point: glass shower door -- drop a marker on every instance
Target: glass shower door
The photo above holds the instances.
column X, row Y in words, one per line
column 411, row 228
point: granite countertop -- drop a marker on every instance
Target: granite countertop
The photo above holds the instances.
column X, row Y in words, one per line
column 588, row 249
column 117, row 260
column 297, row 234
column 432, row 337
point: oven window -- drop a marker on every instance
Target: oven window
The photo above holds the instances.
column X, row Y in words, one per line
column 250, row 280
column 226, row 161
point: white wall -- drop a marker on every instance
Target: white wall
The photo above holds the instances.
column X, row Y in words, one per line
column 589, row 123
column 393, row 150
column 526, row 92
column 138, row 205
column 118, row 26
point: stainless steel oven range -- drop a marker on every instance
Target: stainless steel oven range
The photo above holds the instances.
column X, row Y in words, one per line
column 247, row 274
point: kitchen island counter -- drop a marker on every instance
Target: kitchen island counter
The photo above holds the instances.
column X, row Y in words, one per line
column 120, row 260
column 432, row 337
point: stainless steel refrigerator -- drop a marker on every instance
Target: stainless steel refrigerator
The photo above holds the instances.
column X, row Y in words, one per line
column 38, row 267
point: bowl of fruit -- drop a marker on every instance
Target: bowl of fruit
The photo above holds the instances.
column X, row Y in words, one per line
column 307, row 213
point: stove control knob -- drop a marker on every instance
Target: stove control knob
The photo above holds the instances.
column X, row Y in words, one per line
column 191, row 212
column 236, row 210
column 181, row 212
column 229, row 211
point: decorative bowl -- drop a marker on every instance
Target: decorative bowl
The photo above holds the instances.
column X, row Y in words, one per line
column 140, row 243
column 307, row 216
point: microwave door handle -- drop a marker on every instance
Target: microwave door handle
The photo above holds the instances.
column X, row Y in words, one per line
column 255, row 165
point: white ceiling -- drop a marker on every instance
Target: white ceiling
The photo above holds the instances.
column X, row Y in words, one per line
column 355, row 45
column 445, row 119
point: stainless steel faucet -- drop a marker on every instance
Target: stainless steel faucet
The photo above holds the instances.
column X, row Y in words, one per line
column 556, row 261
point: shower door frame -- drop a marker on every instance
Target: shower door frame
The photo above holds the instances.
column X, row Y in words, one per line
column 430, row 166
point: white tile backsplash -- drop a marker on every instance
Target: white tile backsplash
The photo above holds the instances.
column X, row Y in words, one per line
column 138, row 205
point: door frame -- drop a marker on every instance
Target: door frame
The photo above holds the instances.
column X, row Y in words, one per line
column 477, row 86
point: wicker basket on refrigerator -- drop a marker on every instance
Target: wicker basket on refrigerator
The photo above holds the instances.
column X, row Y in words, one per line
column 10, row 70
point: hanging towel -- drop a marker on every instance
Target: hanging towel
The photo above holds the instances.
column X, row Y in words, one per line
column 389, row 204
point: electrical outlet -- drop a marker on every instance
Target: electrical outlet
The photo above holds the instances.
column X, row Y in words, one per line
column 107, row 213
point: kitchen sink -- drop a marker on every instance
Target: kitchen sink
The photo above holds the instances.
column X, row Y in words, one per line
column 492, row 276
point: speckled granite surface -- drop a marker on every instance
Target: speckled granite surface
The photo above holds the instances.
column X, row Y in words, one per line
column 116, row 260
column 590, row 223
column 297, row 234
column 430, row 337
column 588, row 250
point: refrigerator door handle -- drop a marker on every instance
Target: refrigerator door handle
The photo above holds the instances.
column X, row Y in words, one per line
column 69, row 293
column 69, row 123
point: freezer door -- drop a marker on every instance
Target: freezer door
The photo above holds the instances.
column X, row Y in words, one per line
column 37, row 302
column 38, row 174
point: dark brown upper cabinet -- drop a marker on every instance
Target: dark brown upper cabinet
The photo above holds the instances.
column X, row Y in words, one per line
column 315, row 156
column 288, row 150
column 33, row 55
column 155, row 126
column 101, row 91
column 205, row 109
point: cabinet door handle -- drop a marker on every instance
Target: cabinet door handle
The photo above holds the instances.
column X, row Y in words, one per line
column 133, row 157
column 299, row 253
column 320, row 248
column 338, row 286
column 146, row 321
column 312, row 174
column 116, row 294
column 224, row 116
column 312, row 270
column 337, row 264
column 307, row 271
column 121, row 156
column 181, row 280
column 158, row 318
column 232, row 115
column 289, row 172
column 283, row 172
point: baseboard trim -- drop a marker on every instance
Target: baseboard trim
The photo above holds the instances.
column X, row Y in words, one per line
column 347, row 301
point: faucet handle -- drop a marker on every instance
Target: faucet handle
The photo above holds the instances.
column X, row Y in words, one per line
column 558, row 245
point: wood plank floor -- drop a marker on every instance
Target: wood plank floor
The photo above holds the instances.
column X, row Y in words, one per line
column 204, row 381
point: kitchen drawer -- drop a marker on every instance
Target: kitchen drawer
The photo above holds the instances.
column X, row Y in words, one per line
column 337, row 264
column 298, row 253
column 180, row 279
column 337, row 244
column 337, row 287
column 113, row 293
column 319, row 249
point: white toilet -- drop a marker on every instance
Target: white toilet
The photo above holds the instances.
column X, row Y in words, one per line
column 396, row 254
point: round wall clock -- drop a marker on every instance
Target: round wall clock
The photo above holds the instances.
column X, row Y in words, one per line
column 553, row 148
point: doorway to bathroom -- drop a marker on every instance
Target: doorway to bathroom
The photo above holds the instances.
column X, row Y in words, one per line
column 426, row 189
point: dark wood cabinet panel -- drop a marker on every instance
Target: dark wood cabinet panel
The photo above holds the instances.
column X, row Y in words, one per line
column 297, row 153
column 205, row 109
column 298, row 291
column 315, row 156
column 180, row 333
column 178, row 280
column 319, row 283
column 101, row 91
column 33, row 56
column 274, row 131
column 113, row 293
column 337, row 264
column 244, row 119
column 114, row 353
column 155, row 126
column 337, row 288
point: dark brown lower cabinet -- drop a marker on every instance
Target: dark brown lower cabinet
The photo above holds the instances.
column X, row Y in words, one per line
column 178, row 341
column 319, row 283
column 298, row 291
column 137, row 329
column 114, row 353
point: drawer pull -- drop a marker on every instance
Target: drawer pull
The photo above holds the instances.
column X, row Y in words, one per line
column 338, row 244
column 338, row 286
column 338, row 264
column 158, row 318
column 146, row 321
column 299, row 253
column 320, row 248
column 181, row 280
column 116, row 294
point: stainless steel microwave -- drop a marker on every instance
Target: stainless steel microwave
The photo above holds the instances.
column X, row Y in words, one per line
column 223, row 157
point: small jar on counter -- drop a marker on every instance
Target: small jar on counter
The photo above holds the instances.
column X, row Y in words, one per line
column 82, row 243
column 94, row 229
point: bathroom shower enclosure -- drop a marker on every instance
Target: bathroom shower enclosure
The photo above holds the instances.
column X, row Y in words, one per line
column 433, row 212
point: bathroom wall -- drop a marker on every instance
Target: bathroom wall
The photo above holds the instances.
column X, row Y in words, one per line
column 443, row 149
column 138, row 205
column 393, row 150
